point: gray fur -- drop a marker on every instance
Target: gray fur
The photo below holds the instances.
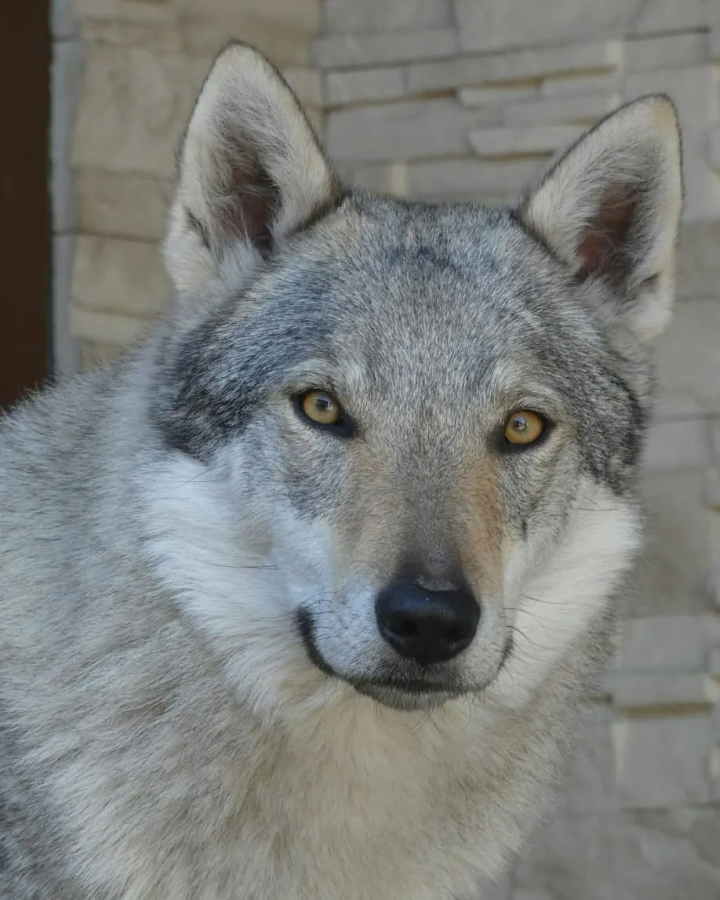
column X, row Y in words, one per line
column 196, row 701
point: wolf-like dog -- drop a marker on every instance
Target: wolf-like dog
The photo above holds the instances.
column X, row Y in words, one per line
column 298, row 597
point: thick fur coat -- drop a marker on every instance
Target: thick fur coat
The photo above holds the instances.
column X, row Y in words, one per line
column 199, row 699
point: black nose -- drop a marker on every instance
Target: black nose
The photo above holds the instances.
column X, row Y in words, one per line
column 427, row 626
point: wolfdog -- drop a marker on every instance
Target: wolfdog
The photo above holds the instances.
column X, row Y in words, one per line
column 298, row 597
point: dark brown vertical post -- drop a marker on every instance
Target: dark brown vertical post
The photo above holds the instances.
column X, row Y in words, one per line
column 25, row 225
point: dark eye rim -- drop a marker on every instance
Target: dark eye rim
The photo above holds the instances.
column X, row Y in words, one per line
column 507, row 447
column 344, row 428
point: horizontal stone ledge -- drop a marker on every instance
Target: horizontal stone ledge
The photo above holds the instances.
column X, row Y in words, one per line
column 475, row 98
column 402, row 131
column 348, row 51
column 529, row 141
column 573, row 85
column 107, row 328
column 514, row 66
column 564, row 111
column 655, row 691
column 364, row 86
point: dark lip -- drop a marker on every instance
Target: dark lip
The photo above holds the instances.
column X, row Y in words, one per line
column 414, row 686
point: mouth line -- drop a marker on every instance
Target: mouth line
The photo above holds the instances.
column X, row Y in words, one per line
column 411, row 686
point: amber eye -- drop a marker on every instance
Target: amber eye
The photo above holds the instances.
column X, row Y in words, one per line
column 321, row 408
column 524, row 427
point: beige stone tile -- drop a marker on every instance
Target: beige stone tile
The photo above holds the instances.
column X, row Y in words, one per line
column 496, row 24
column 364, row 85
column 353, row 17
column 398, row 131
column 666, row 644
column 677, row 445
column 695, row 90
column 567, row 110
column 204, row 35
column 589, row 785
column 663, row 761
column 300, row 15
column 94, row 353
column 574, row 84
column 158, row 37
column 698, row 261
column 522, row 140
column 514, row 66
column 117, row 204
column 474, row 98
column 672, row 574
column 346, row 51
column 133, row 108
column 106, row 328
column 688, row 357
column 306, row 83
column 125, row 10
column 673, row 855
column 121, row 276
column 384, row 179
column 666, row 52
column 471, row 177
column 657, row 16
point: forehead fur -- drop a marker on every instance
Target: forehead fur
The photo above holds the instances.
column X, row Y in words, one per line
column 414, row 300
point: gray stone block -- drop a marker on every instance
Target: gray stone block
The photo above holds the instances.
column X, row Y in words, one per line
column 666, row 52
column 663, row 761
column 458, row 178
column 658, row 16
column 672, row 855
column 589, row 785
column 523, row 140
column 400, row 131
column 363, row 16
column 671, row 578
column 390, row 178
column 698, row 261
column 561, row 111
column 573, row 85
column 364, row 86
column 346, row 52
column 474, row 98
column 669, row 644
column 662, row 690
column 495, row 24
column 688, row 363
column 677, row 445
column 696, row 91
column 516, row 65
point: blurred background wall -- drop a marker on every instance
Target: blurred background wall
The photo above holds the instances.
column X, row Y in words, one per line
column 460, row 99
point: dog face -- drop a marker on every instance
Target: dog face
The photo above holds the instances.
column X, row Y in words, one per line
column 404, row 437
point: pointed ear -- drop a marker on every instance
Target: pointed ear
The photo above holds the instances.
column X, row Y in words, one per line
column 250, row 173
column 610, row 209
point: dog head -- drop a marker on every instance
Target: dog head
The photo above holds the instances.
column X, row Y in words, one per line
column 404, row 437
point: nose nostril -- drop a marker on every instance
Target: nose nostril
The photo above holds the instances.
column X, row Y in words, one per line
column 403, row 627
column 456, row 634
